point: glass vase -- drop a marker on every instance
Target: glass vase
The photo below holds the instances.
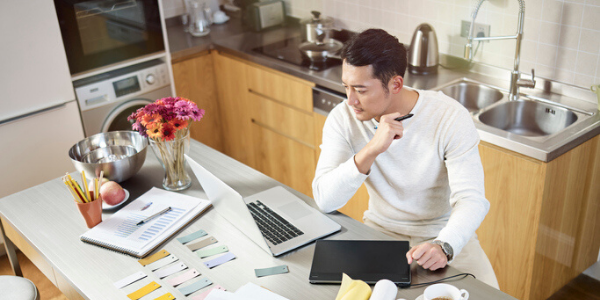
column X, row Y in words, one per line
column 170, row 154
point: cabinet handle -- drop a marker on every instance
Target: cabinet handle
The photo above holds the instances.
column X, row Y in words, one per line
column 279, row 102
column 281, row 133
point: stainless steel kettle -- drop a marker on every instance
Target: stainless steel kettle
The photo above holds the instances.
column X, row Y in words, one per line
column 423, row 56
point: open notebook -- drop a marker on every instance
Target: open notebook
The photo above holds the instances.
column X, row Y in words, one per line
column 122, row 233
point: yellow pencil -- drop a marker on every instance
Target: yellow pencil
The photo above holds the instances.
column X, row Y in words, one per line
column 77, row 192
column 85, row 186
column 96, row 191
column 78, row 188
column 71, row 190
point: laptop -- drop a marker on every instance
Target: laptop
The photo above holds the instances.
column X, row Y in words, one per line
column 275, row 219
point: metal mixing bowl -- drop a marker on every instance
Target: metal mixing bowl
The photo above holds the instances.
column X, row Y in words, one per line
column 120, row 154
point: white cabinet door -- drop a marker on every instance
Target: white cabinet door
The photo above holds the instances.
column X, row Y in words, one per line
column 35, row 149
column 34, row 70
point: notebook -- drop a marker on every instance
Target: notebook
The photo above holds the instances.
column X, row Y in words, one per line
column 275, row 219
column 369, row 261
column 122, row 233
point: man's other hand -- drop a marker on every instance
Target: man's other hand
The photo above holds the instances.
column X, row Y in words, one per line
column 429, row 256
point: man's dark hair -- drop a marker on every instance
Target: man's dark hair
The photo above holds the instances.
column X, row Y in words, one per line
column 378, row 48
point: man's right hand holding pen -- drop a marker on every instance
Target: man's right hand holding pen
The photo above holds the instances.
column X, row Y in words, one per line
column 389, row 129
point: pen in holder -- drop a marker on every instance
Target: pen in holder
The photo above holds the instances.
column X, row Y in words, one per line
column 91, row 211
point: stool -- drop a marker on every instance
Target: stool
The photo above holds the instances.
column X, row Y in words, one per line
column 17, row 288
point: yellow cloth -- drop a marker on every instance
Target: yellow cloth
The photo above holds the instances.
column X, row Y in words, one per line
column 353, row 289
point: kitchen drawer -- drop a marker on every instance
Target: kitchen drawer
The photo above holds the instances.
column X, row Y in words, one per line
column 280, row 87
column 288, row 121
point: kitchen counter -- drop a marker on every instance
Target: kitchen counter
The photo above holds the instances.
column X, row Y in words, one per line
column 231, row 38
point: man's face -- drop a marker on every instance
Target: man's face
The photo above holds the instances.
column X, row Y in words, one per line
column 365, row 93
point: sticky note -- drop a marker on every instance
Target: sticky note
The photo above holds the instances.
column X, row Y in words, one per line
column 130, row 279
column 220, row 260
column 170, row 270
column 211, row 251
column 183, row 277
column 144, row 291
column 203, row 243
column 162, row 262
column 190, row 237
column 271, row 271
column 200, row 284
column 154, row 257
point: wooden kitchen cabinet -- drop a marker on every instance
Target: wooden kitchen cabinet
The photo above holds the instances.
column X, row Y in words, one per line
column 359, row 203
column 267, row 120
column 542, row 229
column 195, row 80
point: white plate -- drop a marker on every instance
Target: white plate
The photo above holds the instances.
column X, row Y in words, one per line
column 221, row 21
column 106, row 206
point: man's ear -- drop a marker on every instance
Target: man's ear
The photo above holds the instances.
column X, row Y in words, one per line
column 396, row 84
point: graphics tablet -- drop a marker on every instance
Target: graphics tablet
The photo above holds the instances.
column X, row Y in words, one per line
column 369, row 261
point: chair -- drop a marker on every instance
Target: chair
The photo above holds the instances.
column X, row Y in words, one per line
column 17, row 288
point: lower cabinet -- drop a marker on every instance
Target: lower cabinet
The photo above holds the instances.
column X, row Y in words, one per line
column 267, row 120
column 195, row 80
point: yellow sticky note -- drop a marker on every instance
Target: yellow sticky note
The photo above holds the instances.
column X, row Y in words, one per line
column 353, row 289
column 144, row 291
column 167, row 296
column 154, row 257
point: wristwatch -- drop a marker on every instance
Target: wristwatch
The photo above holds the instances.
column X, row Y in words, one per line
column 446, row 248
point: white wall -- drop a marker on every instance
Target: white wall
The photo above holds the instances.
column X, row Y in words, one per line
column 561, row 38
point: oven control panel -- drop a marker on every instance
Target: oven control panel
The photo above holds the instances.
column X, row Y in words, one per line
column 326, row 99
column 120, row 84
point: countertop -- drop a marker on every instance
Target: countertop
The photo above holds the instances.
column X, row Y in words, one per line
column 233, row 39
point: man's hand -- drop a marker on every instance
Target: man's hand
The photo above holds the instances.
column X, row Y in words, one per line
column 429, row 256
column 387, row 131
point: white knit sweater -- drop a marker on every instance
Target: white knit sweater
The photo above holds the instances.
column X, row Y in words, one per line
column 429, row 183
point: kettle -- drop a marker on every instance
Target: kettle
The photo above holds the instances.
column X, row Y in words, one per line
column 423, row 53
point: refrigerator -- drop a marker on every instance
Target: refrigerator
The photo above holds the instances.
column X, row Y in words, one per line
column 39, row 117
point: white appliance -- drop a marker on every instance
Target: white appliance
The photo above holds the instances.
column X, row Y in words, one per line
column 39, row 119
column 107, row 99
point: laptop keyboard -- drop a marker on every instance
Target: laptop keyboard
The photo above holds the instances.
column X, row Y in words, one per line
column 273, row 227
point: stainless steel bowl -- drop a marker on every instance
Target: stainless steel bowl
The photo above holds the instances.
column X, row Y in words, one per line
column 120, row 154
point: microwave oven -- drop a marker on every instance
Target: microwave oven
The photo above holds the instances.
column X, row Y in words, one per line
column 98, row 33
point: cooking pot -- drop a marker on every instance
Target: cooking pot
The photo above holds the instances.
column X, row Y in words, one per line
column 320, row 51
column 315, row 26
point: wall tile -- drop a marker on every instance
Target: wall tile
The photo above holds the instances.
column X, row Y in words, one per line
column 566, row 59
column 586, row 63
column 552, row 11
column 547, row 55
column 549, row 33
column 572, row 13
column 569, row 37
column 590, row 41
column 584, row 80
column 591, row 17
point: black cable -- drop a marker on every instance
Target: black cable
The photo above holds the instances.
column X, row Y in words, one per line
column 464, row 275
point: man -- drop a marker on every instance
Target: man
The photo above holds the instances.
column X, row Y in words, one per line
column 423, row 174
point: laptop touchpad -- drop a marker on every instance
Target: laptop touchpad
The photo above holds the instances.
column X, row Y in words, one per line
column 294, row 210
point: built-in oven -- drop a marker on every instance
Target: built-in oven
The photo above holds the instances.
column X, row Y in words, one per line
column 325, row 99
column 98, row 33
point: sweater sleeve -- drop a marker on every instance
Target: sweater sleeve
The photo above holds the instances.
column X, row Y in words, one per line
column 465, row 176
column 336, row 178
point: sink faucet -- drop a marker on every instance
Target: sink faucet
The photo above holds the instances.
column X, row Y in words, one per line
column 515, row 77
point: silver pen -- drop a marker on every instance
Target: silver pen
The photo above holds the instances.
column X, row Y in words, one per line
column 153, row 216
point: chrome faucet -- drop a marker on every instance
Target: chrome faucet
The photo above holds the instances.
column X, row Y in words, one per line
column 515, row 78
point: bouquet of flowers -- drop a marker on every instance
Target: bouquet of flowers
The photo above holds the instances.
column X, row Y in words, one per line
column 166, row 123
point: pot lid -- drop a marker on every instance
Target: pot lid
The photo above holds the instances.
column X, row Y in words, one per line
column 331, row 46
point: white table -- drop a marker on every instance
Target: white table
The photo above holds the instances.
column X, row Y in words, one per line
column 45, row 221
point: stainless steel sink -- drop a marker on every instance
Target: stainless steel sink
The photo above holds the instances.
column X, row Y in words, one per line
column 528, row 118
column 472, row 95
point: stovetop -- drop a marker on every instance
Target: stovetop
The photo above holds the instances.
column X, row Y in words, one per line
column 288, row 51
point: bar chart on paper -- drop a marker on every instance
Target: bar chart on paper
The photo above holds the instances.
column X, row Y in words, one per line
column 146, row 221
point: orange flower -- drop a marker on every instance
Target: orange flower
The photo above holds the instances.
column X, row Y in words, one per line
column 155, row 131
column 178, row 124
column 153, row 118
column 168, row 132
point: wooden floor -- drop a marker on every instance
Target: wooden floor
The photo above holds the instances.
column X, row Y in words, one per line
column 581, row 288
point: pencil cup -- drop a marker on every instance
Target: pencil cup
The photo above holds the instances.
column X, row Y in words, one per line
column 91, row 212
